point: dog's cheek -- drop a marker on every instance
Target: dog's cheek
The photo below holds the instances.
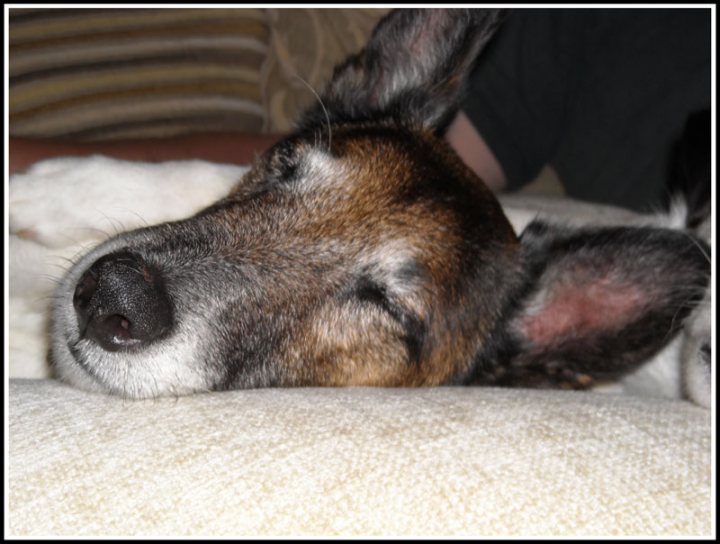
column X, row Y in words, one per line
column 351, row 344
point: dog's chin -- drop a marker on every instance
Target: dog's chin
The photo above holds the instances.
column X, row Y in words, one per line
column 67, row 369
column 163, row 369
column 145, row 374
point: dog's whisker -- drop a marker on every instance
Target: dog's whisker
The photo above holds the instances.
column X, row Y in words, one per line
column 683, row 306
column 142, row 220
column 697, row 244
column 322, row 105
column 96, row 230
column 115, row 223
column 50, row 278
column 64, row 267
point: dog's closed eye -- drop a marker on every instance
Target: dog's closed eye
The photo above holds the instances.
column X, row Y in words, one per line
column 368, row 291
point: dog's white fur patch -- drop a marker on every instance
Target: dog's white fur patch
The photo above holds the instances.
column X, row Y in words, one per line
column 319, row 170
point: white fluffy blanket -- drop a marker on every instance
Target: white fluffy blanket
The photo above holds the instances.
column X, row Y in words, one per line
column 392, row 462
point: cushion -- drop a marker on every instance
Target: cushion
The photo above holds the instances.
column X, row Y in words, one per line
column 442, row 461
column 110, row 74
column 107, row 74
column 305, row 46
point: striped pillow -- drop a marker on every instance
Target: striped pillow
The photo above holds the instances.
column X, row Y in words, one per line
column 105, row 74
column 305, row 46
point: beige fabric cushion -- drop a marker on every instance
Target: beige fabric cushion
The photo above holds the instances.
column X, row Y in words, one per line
column 357, row 461
column 308, row 43
column 101, row 74
column 107, row 74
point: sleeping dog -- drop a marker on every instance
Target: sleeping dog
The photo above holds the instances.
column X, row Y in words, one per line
column 360, row 250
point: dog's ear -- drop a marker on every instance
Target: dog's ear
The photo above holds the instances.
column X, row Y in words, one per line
column 598, row 301
column 412, row 70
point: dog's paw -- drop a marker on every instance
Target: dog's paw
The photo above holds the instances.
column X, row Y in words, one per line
column 696, row 356
column 697, row 351
column 60, row 202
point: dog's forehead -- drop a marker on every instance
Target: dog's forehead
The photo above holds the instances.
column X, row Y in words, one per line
column 320, row 170
column 340, row 155
column 376, row 160
column 372, row 184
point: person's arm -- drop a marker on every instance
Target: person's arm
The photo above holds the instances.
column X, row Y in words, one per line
column 223, row 148
column 474, row 151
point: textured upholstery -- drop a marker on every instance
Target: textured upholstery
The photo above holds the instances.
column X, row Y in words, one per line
column 357, row 461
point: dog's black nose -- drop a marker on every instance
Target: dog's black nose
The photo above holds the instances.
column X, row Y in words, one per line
column 121, row 302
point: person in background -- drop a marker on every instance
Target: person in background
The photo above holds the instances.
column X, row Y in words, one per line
column 601, row 95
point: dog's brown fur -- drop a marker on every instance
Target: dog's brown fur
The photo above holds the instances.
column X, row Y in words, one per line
column 362, row 251
column 384, row 193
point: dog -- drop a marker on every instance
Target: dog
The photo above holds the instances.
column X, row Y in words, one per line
column 361, row 251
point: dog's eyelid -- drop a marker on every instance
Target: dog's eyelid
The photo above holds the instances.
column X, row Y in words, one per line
column 392, row 282
column 282, row 172
column 307, row 167
column 366, row 288
column 369, row 291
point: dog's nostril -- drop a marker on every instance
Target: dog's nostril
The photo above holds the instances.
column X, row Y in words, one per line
column 112, row 332
column 84, row 291
column 121, row 302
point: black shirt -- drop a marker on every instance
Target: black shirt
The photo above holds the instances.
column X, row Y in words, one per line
column 600, row 94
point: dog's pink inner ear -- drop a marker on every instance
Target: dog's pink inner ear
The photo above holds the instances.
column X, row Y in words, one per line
column 603, row 300
column 575, row 308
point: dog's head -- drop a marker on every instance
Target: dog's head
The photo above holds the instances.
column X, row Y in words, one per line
column 361, row 251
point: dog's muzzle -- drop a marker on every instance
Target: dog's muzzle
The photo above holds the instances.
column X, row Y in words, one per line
column 121, row 303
